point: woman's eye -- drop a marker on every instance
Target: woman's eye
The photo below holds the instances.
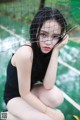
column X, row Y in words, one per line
column 42, row 35
column 55, row 37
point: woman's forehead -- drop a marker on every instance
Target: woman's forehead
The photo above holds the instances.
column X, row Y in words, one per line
column 51, row 26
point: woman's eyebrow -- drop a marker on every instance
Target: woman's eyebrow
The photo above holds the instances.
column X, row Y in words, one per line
column 44, row 31
column 56, row 34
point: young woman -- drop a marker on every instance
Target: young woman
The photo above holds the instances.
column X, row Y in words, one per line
column 30, row 91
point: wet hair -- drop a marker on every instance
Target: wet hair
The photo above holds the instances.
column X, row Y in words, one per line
column 41, row 60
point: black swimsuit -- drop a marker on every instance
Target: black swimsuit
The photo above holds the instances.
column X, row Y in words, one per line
column 11, row 86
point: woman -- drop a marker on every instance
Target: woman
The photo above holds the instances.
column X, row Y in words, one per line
column 30, row 91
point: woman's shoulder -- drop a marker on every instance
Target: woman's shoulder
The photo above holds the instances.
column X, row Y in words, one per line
column 25, row 52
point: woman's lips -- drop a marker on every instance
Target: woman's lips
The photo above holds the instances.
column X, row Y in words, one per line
column 46, row 48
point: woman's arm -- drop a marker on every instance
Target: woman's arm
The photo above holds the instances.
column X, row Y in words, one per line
column 50, row 76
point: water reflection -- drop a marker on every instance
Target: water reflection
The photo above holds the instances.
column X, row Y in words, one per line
column 71, row 55
column 68, row 80
column 10, row 44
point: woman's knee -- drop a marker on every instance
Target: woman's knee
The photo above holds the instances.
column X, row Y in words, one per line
column 11, row 103
column 57, row 97
column 52, row 98
column 17, row 108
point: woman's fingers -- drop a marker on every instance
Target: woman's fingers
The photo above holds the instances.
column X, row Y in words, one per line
column 64, row 42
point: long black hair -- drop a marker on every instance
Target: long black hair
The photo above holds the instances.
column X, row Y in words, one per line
column 41, row 60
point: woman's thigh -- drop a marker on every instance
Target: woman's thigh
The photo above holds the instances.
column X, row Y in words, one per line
column 51, row 98
column 22, row 110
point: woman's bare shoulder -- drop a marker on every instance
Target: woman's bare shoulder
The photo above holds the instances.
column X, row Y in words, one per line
column 23, row 53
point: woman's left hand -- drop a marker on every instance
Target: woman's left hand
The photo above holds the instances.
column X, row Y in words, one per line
column 64, row 42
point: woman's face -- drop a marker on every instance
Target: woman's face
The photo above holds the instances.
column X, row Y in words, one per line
column 49, row 35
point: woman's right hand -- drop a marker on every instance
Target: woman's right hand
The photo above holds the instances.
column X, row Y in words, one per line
column 62, row 44
column 55, row 114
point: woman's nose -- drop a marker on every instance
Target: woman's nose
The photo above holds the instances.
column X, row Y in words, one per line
column 48, row 41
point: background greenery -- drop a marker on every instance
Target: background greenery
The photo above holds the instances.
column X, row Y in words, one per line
column 24, row 10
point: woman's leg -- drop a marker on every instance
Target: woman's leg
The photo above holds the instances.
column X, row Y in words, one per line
column 23, row 110
column 20, row 110
column 51, row 98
